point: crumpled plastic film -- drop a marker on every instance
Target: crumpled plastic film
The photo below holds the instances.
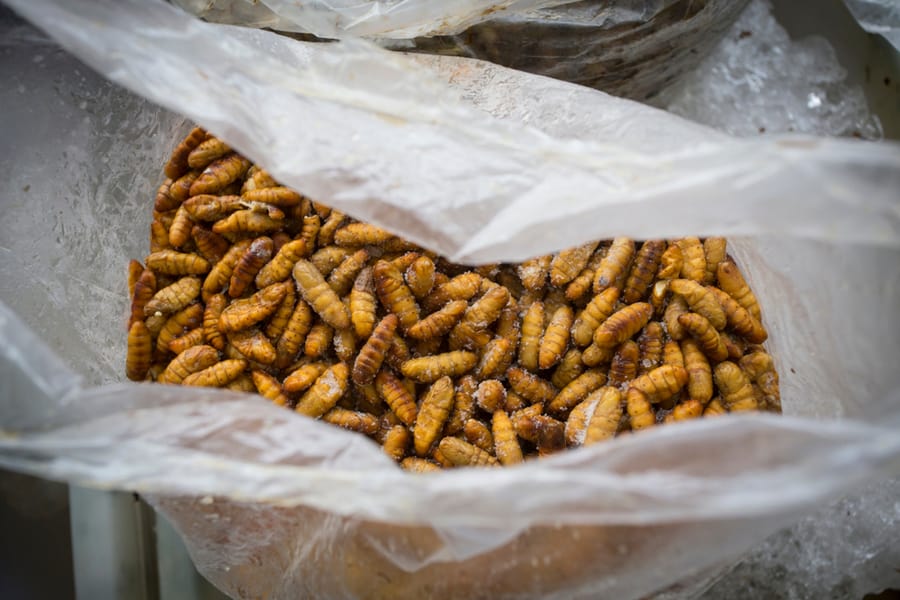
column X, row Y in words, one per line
column 591, row 157
column 759, row 80
column 264, row 497
column 398, row 19
column 878, row 16
column 630, row 48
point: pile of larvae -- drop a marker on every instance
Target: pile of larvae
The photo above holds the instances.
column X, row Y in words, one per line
column 251, row 286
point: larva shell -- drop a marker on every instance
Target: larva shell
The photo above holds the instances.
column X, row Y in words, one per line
column 180, row 229
column 533, row 272
column 530, row 340
column 396, row 443
column 211, row 246
column 320, row 296
column 568, row 369
column 194, row 337
column 440, row 322
column 363, row 303
column 269, row 388
column 700, row 383
column 731, row 281
column 361, row 234
column 672, row 354
column 325, row 392
column 556, row 337
column 565, row 266
column 576, row 391
column 495, row 359
column 661, row 383
column 169, row 262
column 671, row 262
column 304, row 376
column 353, row 420
column 490, row 395
column 595, row 312
column 371, row 355
column 698, row 327
column 394, row 295
column 282, row 315
column 343, row 276
column 174, row 297
column 247, row 312
column 506, row 442
column 622, row 325
column 219, row 174
column 624, row 364
column 433, row 414
column 206, row 152
column 464, row 454
column 276, row 195
column 420, row 276
column 396, row 396
column 642, row 272
column 614, row 264
column 701, row 301
column 218, row 375
column 190, row 361
column 604, row 421
column 220, row 276
column 428, row 369
column 694, row 259
column 530, row 386
column 254, row 345
column 639, row 409
column 249, row 264
column 318, row 340
column 650, row 342
column 735, row 388
column 177, row 325
column 715, row 249
column 140, row 350
column 471, row 331
column 463, row 405
column 178, row 161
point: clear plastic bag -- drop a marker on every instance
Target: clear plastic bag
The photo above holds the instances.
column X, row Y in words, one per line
column 482, row 163
column 630, row 48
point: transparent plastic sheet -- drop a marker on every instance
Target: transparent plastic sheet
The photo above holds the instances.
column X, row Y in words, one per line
column 878, row 16
column 759, row 80
column 265, row 498
column 337, row 19
column 630, row 48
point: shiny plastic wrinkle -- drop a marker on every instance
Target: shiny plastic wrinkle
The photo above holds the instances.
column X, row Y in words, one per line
column 398, row 19
column 503, row 144
column 878, row 16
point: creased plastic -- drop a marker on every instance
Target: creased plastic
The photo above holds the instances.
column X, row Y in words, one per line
column 350, row 18
column 387, row 140
column 878, row 16
column 630, row 48
column 273, row 505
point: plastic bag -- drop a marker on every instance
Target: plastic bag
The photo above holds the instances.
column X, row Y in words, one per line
column 878, row 16
column 399, row 19
column 275, row 505
column 631, row 48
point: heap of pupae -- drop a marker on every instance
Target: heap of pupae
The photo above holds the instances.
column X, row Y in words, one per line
column 252, row 287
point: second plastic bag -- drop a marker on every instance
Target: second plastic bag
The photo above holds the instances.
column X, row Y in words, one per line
column 275, row 505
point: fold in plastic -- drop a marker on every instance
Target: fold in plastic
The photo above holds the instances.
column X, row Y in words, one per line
column 472, row 160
